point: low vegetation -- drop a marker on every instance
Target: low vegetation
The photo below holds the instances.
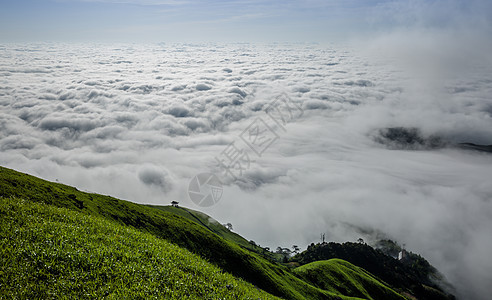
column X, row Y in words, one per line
column 230, row 257
column 414, row 276
column 50, row 252
column 339, row 276
column 219, row 229
column 57, row 240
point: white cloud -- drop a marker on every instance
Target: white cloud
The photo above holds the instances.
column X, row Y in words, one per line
column 138, row 122
column 154, row 176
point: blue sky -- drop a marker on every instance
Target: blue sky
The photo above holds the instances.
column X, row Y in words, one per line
column 217, row 20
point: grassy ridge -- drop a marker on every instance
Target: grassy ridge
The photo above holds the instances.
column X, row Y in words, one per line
column 186, row 229
column 229, row 256
column 207, row 222
column 49, row 252
column 342, row 277
column 217, row 228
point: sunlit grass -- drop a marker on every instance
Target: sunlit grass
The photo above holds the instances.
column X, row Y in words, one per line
column 59, row 241
column 339, row 276
column 50, row 252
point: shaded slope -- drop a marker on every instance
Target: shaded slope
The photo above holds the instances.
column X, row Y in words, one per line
column 411, row 278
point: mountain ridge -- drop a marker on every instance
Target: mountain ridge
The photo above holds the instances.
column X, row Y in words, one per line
column 190, row 230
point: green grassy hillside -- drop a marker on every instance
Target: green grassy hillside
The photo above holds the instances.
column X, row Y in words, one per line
column 50, row 252
column 225, row 254
column 217, row 228
column 210, row 241
column 344, row 278
column 208, row 223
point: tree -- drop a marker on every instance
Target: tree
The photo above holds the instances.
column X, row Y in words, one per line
column 285, row 252
column 360, row 241
column 228, row 226
column 296, row 249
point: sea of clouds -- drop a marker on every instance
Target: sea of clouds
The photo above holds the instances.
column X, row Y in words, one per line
column 139, row 121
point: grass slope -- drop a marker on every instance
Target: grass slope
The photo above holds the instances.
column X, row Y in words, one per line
column 227, row 255
column 222, row 249
column 342, row 277
column 207, row 222
column 217, row 228
column 49, row 252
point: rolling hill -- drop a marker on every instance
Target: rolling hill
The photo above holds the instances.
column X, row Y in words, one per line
column 412, row 276
column 342, row 277
column 50, row 252
column 56, row 238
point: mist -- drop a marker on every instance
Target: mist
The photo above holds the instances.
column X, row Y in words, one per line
column 138, row 121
